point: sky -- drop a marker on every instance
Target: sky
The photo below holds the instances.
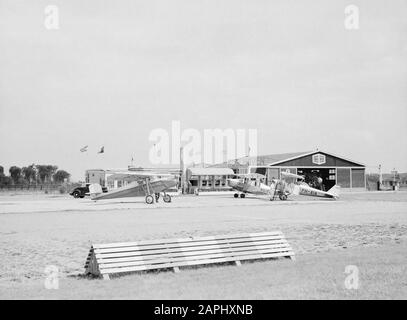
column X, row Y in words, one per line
column 116, row 70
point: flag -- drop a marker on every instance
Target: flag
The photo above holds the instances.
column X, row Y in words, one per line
column 102, row 150
column 84, row 149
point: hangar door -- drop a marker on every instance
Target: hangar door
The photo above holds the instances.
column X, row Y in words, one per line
column 358, row 178
column 319, row 178
column 343, row 177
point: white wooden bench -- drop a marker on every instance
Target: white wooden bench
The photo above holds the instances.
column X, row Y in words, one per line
column 106, row 259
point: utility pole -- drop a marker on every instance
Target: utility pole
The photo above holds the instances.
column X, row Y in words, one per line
column 182, row 170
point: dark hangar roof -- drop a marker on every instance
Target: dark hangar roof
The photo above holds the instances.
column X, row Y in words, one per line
column 291, row 159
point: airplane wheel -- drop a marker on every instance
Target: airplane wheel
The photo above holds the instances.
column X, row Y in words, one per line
column 149, row 199
column 236, row 195
column 167, row 198
column 157, row 196
column 242, row 196
column 283, row 197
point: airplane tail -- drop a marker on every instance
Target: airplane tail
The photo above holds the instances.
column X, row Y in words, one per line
column 335, row 191
column 95, row 189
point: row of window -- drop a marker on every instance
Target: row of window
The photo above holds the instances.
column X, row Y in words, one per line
column 209, row 183
column 119, row 184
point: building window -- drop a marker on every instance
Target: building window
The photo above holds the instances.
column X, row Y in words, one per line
column 318, row 158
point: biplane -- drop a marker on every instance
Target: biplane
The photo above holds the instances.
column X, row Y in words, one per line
column 149, row 185
column 253, row 183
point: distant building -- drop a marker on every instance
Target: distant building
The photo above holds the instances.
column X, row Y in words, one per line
column 208, row 179
column 101, row 176
column 96, row 176
column 106, row 177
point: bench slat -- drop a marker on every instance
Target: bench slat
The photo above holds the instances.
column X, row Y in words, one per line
column 183, row 252
column 184, row 244
column 197, row 262
column 233, row 253
column 175, row 240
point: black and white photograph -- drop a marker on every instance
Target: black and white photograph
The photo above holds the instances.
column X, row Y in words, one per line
column 221, row 152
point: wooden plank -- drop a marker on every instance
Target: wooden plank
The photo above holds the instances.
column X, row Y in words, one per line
column 148, row 253
column 164, row 260
column 171, row 255
column 197, row 262
column 191, row 258
column 174, row 240
column 191, row 254
column 183, row 244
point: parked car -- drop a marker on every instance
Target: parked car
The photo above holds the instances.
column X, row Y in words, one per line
column 81, row 192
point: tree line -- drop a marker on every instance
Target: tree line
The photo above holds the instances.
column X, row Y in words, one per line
column 33, row 174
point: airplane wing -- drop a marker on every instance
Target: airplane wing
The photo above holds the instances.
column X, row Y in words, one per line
column 137, row 175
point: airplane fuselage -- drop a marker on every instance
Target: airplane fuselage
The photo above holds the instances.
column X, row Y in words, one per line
column 249, row 187
column 138, row 189
column 309, row 191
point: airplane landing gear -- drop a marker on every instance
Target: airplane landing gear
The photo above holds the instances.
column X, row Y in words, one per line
column 149, row 199
column 242, row 195
column 283, row 197
column 236, row 195
column 167, row 198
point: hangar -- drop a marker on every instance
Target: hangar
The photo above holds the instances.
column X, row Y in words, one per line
column 317, row 165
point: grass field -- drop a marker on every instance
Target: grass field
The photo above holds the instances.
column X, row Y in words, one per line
column 368, row 230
